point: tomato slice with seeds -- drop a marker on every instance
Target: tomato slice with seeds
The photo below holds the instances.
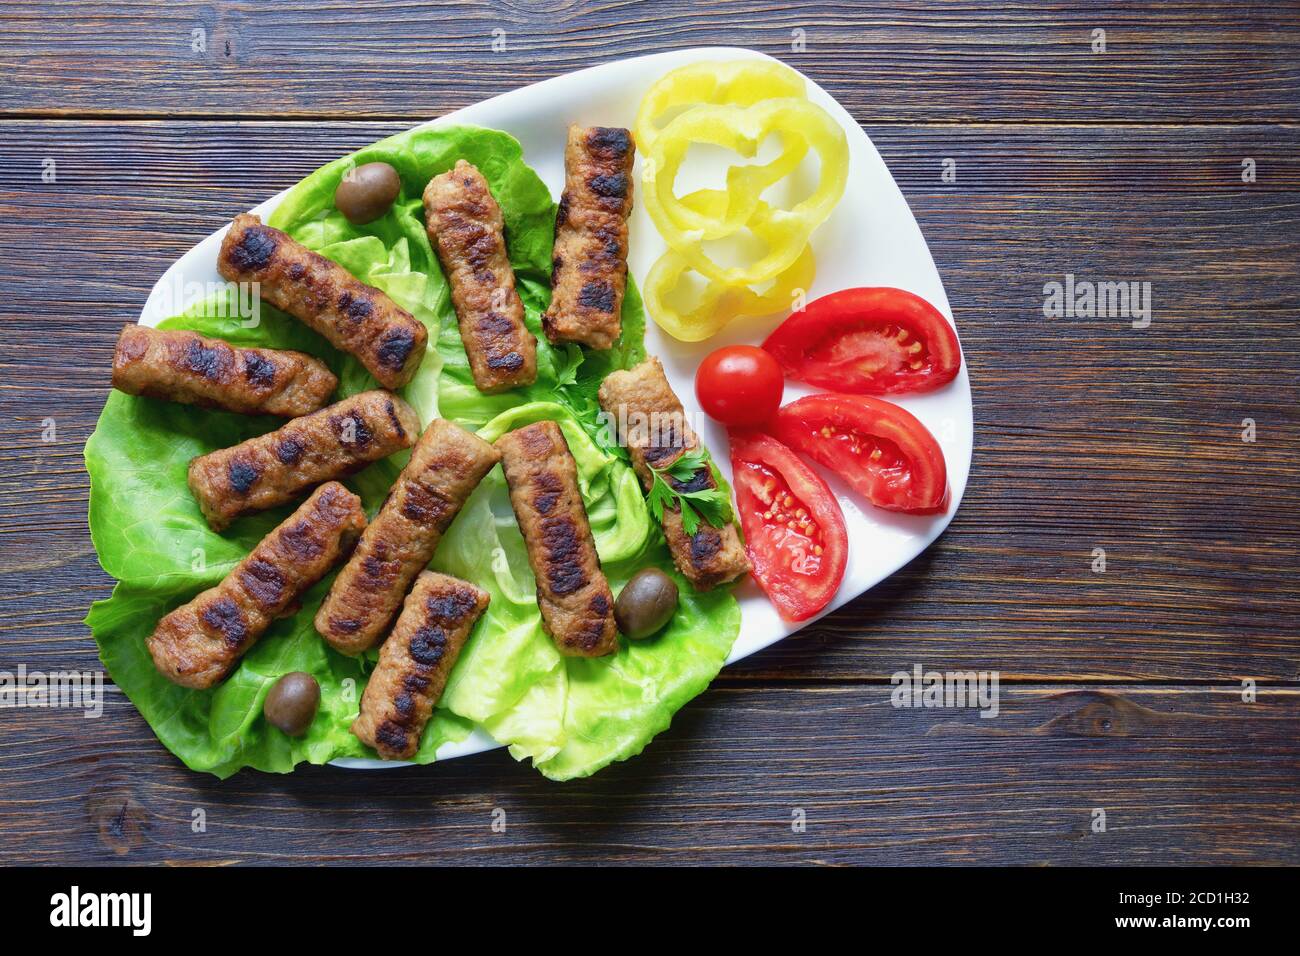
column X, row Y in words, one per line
column 882, row 451
column 794, row 529
column 871, row 341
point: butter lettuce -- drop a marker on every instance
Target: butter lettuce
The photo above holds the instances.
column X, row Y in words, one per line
column 570, row 717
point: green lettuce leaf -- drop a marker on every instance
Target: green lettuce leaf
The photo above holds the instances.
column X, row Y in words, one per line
column 570, row 717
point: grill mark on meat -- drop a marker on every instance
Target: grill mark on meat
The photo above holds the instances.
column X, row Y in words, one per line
column 257, row 370
column 346, row 625
column 380, row 573
column 613, row 186
column 357, row 307
column 415, row 683
column 361, row 434
column 609, row 142
column 224, row 617
column 254, row 250
column 213, row 364
column 510, row 362
column 564, row 571
column 424, row 505
column 263, row 581
column 427, row 645
column 451, row 606
column 301, row 542
column 597, row 295
column 288, row 450
column 395, row 347
column 242, row 474
column 391, row 734
column 550, row 490
column 701, row 479
column 705, row 543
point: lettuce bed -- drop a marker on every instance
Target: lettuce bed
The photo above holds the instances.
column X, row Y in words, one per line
column 571, row 717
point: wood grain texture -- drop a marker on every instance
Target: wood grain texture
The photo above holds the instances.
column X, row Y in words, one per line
column 1120, row 691
column 1183, row 775
column 905, row 60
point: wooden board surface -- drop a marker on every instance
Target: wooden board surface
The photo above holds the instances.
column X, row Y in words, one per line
column 1121, row 690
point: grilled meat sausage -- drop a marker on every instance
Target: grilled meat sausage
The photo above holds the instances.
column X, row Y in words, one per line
column 415, row 662
column 183, row 366
column 589, row 265
column 653, row 426
column 446, row 465
column 199, row 643
column 466, row 228
column 277, row 467
column 572, row 593
column 321, row 294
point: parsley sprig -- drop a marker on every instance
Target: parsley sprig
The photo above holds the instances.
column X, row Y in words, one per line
column 712, row 505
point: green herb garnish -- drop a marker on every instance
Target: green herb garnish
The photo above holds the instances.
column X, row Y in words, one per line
column 712, row 505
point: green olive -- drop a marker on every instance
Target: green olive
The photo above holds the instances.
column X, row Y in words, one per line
column 291, row 704
column 367, row 192
column 647, row 602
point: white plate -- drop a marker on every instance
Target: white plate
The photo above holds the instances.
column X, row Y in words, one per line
column 870, row 240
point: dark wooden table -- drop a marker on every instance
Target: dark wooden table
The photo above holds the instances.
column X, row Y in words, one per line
column 1121, row 691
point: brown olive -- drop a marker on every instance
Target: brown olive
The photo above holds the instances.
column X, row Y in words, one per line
column 647, row 602
column 291, row 704
column 367, row 192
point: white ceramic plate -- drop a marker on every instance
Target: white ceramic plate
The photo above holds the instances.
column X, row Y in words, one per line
column 870, row 240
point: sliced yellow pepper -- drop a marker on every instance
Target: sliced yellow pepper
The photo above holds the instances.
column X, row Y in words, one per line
column 784, row 232
column 718, row 305
column 737, row 82
column 734, row 105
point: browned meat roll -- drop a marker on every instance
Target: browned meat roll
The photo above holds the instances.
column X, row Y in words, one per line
column 199, row 643
column 415, row 662
column 321, row 294
column 182, row 366
column 277, row 467
column 711, row 556
column 572, row 592
column 445, row 467
column 466, row 228
column 589, row 265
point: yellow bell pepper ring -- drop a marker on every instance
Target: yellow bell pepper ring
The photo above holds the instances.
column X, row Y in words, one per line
column 738, row 82
column 725, row 210
column 784, row 232
column 718, row 305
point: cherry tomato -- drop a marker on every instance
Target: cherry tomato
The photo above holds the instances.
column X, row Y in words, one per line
column 739, row 385
column 882, row 451
column 794, row 529
column 869, row 342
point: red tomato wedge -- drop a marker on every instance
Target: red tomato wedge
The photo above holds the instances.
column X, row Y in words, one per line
column 882, row 451
column 794, row 529
column 877, row 341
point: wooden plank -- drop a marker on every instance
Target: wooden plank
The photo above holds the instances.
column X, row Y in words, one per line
column 1088, row 433
column 1183, row 775
column 906, row 60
